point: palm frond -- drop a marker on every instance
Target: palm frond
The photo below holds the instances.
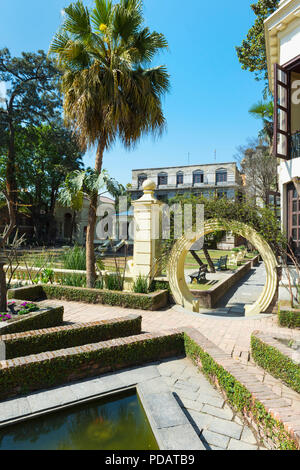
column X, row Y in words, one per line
column 102, row 13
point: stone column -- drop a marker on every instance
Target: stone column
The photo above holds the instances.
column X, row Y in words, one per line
column 147, row 233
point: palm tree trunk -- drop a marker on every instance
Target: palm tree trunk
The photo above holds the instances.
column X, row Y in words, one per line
column 3, row 290
column 92, row 218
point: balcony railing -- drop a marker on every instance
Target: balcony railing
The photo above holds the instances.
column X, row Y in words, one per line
column 295, row 145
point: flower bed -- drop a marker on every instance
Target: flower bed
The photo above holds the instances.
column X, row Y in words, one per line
column 17, row 309
column 45, row 317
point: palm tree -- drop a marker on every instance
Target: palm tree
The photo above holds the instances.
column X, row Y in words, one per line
column 109, row 90
column 264, row 110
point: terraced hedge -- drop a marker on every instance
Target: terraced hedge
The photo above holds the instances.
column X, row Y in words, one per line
column 70, row 336
column 153, row 301
column 274, row 361
column 59, row 367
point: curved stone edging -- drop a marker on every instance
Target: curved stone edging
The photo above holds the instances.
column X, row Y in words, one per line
column 179, row 288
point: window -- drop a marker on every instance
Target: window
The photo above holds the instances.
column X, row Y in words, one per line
column 198, row 177
column 179, row 178
column 221, row 176
column 141, row 179
column 281, row 112
column 162, row 179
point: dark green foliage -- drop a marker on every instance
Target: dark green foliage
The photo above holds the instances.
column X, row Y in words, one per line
column 59, row 370
column 263, row 220
column 140, row 285
column 113, row 282
column 53, row 316
column 26, row 293
column 74, row 258
column 289, row 318
column 252, row 52
column 123, row 299
column 73, row 280
column 63, row 339
column 275, row 362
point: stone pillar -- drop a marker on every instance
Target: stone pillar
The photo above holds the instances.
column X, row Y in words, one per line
column 147, row 233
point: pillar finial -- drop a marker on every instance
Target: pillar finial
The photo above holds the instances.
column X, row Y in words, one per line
column 149, row 186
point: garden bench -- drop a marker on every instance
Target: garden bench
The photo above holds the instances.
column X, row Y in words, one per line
column 221, row 263
column 200, row 275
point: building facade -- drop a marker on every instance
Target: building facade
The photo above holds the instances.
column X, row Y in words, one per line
column 282, row 33
column 70, row 223
column 211, row 180
column 221, row 180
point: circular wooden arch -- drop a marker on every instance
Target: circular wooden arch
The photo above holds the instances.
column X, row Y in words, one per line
column 179, row 288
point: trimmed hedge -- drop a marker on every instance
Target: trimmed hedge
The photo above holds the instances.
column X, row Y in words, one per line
column 151, row 301
column 30, row 376
column 52, row 316
column 275, row 362
column 77, row 335
column 238, row 395
column 289, row 318
column 26, row 293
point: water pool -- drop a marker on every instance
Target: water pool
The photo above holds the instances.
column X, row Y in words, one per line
column 115, row 423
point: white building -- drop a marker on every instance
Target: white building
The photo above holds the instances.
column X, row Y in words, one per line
column 217, row 179
column 67, row 221
column 282, row 33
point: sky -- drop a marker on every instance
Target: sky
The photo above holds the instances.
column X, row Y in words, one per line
column 207, row 107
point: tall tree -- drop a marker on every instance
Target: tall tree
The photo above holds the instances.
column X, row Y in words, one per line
column 46, row 155
column 32, row 97
column 252, row 52
column 260, row 170
column 109, row 90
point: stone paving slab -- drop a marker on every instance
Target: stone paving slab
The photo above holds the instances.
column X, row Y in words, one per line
column 183, row 424
column 230, row 334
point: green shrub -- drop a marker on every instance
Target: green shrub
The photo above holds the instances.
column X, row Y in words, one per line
column 113, row 282
column 58, row 370
column 153, row 301
column 275, row 362
column 289, row 318
column 74, row 258
column 71, row 337
column 26, row 293
column 73, row 280
column 140, row 285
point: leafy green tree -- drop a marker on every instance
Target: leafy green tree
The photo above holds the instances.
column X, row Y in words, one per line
column 252, row 52
column 32, row 97
column 109, row 90
column 45, row 156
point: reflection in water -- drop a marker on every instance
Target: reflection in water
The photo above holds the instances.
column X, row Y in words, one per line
column 118, row 423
